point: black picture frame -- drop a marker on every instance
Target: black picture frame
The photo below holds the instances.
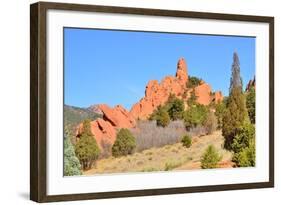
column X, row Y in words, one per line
column 38, row 102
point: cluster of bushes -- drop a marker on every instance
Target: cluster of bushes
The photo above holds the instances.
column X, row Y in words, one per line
column 200, row 116
column 186, row 141
column 195, row 116
column 193, row 82
column 149, row 135
column 82, row 155
column 87, row 150
column 219, row 112
column 192, row 100
column 161, row 116
column 172, row 110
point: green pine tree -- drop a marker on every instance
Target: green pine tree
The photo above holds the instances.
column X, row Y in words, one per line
column 220, row 110
column 161, row 116
column 243, row 146
column 192, row 100
column 236, row 112
column 124, row 144
column 210, row 158
column 234, row 116
column 251, row 104
column 193, row 82
column 71, row 162
column 86, row 148
column 195, row 116
column 235, row 80
column 175, row 109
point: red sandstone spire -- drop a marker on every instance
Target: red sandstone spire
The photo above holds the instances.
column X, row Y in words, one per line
column 181, row 73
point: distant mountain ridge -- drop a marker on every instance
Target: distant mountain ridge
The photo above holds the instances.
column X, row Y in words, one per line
column 73, row 116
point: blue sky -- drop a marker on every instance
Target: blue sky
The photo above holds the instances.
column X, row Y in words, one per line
column 113, row 67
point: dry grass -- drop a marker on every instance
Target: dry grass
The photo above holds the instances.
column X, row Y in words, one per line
column 149, row 135
column 166, row 158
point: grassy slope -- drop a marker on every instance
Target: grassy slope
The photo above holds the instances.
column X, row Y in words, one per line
column 75, row 115
column 169, row 157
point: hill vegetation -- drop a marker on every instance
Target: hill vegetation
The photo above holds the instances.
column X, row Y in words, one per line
column 75, row 115
column 165, row 158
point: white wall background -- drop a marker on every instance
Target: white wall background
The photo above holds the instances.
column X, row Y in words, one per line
column 14, row 101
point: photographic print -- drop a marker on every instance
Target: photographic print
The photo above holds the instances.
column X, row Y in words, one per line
column 138, row 101
column 129, row 102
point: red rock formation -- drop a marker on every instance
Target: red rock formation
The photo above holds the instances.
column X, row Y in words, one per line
column 118, row 116
column 104, row 130
column 218, row 97
column 181, row 73
column 158, row 93
column 203, row 93
column 251, row 83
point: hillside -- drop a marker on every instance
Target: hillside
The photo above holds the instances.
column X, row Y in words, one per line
column 166, row 158
column 75, row 115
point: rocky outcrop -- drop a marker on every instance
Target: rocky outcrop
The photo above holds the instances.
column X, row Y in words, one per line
column 181, row 73
column 104, row 130
column 158, row 93
column 251, row 83
column 118, row 116
column 218, row 97
column 203, row 93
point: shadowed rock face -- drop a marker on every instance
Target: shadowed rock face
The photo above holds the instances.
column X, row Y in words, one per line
column 156, row 94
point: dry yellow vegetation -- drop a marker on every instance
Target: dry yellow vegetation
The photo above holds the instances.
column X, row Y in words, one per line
column 169, row 157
